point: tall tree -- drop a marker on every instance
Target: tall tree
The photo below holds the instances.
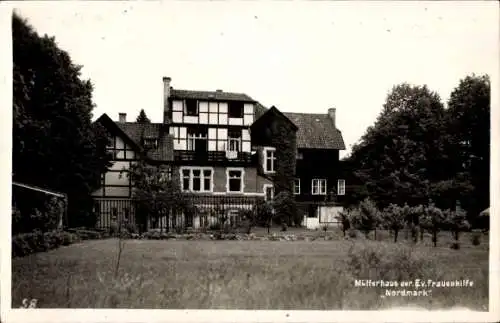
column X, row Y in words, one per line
column 142, row 117
column 402, row 153
column 55, row 144
column 469, row 128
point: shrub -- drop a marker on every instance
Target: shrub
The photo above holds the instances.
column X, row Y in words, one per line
column 113, row 228
column 286, row 207
column 476, row 239
column 375, row 262
column 263, row 212
column 366, row 217
column 344, row 217
column 86, row 234
column 131, row 227
column 353, row 233
column 28, row 243
column 214, row 226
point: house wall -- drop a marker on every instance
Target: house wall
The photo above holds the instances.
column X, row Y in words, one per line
column 115, row 182
column 212, row 113
column 325, row 215
column 320, row 164
column 253, row 184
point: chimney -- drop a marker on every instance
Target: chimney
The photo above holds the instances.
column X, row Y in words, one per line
column 331, row 114
column 122, row 117
column 166, row 96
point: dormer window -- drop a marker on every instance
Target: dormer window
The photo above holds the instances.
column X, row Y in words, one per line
column 191, row 108
column 235, row 110
column 150, row 143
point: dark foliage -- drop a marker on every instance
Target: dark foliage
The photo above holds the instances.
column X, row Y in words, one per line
column 417, row 150
column 142, row 117
column 28, row 243
column 55, row 144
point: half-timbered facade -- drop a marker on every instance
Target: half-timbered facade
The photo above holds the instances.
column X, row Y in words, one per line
column 219, row 145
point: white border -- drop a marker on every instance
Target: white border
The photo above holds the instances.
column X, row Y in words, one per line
column 91, row 315
column 242, row 179
column 264, row 162
column 319, row 186
column 264, row 187
column 201, row 168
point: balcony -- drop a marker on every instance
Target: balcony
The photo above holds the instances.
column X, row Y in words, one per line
column 213, row 156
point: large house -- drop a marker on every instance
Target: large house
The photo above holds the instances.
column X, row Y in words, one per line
column 220, row 147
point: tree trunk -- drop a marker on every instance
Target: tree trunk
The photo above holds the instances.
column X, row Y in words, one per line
column 421, row 234
column 434, row 238
column 375, row 230
column 396, row 235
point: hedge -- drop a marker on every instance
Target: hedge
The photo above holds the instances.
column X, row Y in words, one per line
column 28, row 243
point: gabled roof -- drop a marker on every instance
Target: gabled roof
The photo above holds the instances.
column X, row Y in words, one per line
column 210, row 95
column 268, row 113
column 134, row 132
column 316, row 131
column 138, row 131
column 259, row 110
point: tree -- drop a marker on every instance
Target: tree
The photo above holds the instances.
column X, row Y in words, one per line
column 434, row 220
column 142, row 117
column 468, row 117
column 394, row 219
column 344, row 217
column 401, row 154
column 366, row 217
column 55, row 144
column 156, row 194
column 457, row 222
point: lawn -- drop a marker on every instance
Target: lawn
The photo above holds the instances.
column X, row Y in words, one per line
column 316, row 274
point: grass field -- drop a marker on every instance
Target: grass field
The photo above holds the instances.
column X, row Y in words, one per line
column 247, row 274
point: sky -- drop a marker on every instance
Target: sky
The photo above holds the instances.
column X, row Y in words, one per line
column 297, row 56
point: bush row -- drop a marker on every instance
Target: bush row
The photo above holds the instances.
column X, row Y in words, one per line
column 366, row 217
column 27, row 243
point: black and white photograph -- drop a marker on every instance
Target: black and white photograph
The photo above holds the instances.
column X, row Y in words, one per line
column 287, row 161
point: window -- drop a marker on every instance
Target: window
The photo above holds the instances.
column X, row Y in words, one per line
column 196, row 179
column 341, row 187
column 150, row 143
column 269, row 192
column 235, row 110
column 318, row 186
column 269, row 160
column 234, row 180
column 296, row 189
column 165, row 175
column 197, row 140
column 191, row 107
column 234, row 140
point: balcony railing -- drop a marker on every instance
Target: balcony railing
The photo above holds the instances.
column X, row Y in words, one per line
column 212, row 156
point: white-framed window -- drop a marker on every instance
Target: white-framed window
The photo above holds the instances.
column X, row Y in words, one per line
column 197, row 179
column 296, row 186
column 234, row 140
column 318, row 186
column 341, row 187
column 234, row 180
column 268, row 192
column 269, row 160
